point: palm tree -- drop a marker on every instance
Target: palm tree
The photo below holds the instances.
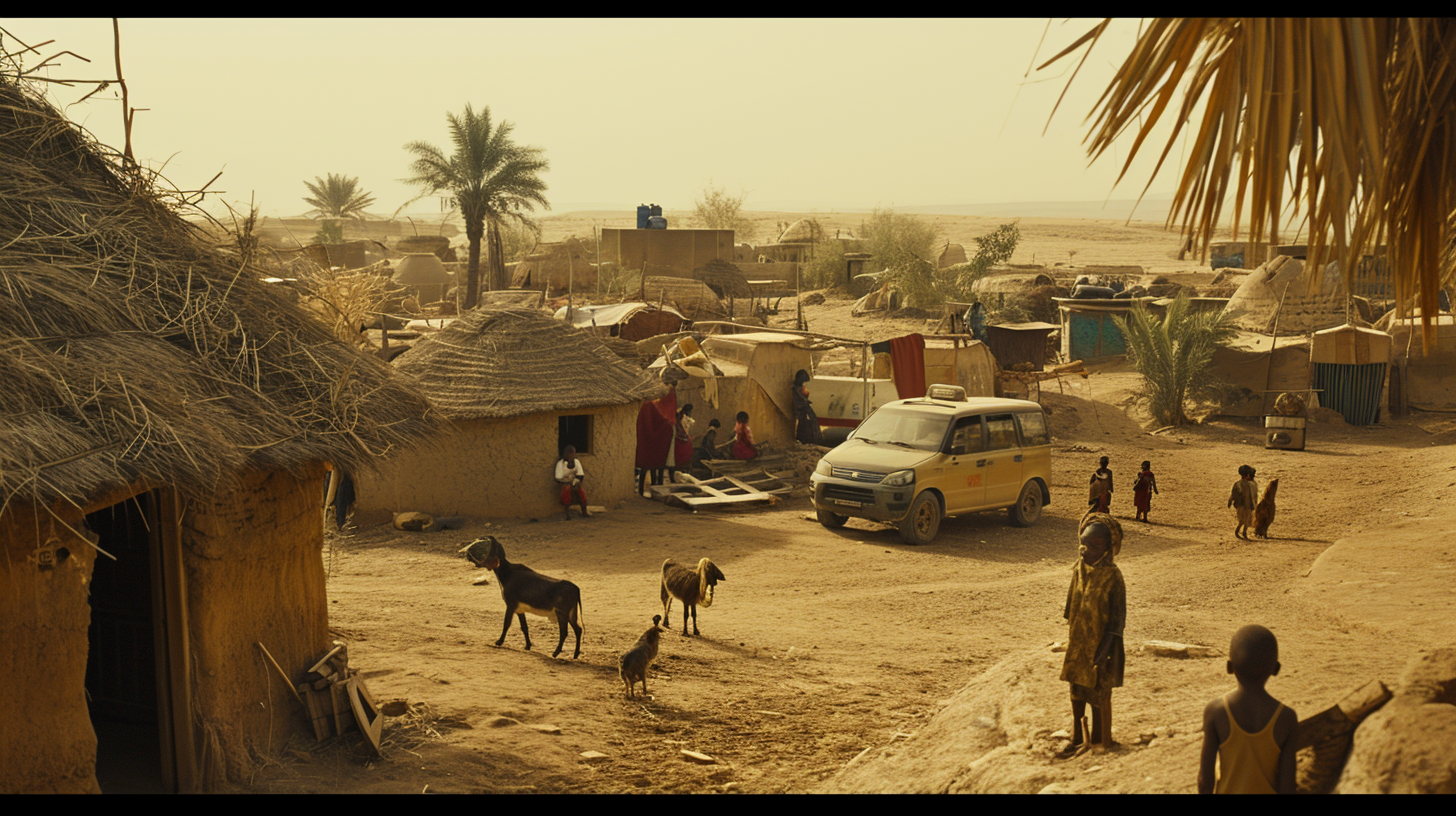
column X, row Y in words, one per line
column 338, row 196
column 1353, row 119
column 1173, row 354
column 492, row 180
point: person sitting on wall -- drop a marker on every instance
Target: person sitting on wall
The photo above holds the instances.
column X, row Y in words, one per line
column 569, row 474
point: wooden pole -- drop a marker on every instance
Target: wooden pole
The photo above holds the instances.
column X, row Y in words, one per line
column 570, row 280
column 284, row 675
column 864, row 373
column 597, row 232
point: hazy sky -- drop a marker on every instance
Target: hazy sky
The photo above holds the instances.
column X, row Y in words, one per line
column 796, row 113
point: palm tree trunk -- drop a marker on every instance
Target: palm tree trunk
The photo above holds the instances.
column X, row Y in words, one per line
column 496, row 256
column 472, row 270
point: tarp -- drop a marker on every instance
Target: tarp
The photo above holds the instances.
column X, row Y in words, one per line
column 907, row 361
column 611, row 314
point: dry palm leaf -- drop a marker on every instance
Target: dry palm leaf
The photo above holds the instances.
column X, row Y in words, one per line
column 1350, row 118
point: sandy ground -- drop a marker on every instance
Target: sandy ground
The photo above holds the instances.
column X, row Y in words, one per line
column 827, row 649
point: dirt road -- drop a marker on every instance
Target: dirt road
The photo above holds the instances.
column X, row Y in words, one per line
column 823, row 646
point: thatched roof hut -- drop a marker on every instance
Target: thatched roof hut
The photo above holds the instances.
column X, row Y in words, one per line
column 165, row 428
column 519, row 386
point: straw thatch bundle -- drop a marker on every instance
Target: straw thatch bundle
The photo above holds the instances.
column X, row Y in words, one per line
column 505, row 362
column 693, row 298
column 135, row 351
column 725, row 279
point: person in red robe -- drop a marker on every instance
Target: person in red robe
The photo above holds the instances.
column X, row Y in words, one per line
column 743, row 447
column 655, row 423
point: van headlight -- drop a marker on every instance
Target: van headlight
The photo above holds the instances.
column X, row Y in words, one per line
column 823, row 468
column 899, row 478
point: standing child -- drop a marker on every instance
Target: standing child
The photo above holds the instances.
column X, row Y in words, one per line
column 1099, row 494
column 1244, row 498
column 1247, row 730
column 743, row 447
column 1143, row 490
column 1096, row 613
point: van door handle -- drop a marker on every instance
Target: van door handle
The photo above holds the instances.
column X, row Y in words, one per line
column 981, row 463
column 1016, row 458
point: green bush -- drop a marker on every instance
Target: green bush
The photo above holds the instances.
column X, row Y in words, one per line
column 1173, row 354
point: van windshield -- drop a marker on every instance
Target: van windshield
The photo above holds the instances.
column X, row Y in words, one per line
column 905, row 429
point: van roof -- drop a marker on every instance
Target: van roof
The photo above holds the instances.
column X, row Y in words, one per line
column 972, row 405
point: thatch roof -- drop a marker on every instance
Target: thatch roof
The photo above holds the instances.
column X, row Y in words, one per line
column 132, row 350
column 495, row 363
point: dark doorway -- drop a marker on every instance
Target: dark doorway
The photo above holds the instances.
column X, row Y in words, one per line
column 122, row 665
column 576, row 431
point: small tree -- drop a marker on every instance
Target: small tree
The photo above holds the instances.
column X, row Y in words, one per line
column 717, row 209
column 337, row 196
column 992, row 249
column 1173, row 355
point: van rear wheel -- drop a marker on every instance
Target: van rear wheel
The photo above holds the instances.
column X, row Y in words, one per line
column 923, row 521
column 1028, row 507
column 832, row 521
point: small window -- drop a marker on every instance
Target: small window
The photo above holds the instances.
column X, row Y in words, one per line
column 1002, row 432
column 1033, row 429
column 967, row 437
column 576, row 431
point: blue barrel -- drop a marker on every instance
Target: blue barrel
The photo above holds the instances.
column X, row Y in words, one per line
column 643, row 211
column 656, row 211
column 657, row 222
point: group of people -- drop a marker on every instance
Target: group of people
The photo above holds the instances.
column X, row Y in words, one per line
column 1099, row 493
column 1247, row 734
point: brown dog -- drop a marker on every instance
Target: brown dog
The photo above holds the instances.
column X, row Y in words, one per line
column 1264, row 513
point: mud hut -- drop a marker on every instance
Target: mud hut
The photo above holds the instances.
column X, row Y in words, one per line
column 1281, row 295
column 165, row 426
column 519, row 386
column 951, row 255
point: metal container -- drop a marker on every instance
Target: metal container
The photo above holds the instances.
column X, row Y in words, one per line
column 1284, row 432
column 656, row 211
column 643, row 213
column 656, row 222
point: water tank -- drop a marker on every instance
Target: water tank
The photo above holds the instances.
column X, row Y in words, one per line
column 643, row 212
column 656, row 211
column 657, row 222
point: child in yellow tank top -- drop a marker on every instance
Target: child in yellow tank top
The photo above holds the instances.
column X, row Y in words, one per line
column 1247, row 732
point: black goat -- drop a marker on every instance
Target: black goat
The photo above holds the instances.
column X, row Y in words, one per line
column 525, row 590
column 633, row 665
column 691, row 586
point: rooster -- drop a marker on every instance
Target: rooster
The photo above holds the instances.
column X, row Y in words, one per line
column 1264, row 512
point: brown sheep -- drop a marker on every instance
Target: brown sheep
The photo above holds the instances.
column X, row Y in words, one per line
column 691, row 586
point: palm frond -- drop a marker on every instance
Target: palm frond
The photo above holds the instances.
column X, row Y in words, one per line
column 1352, row 121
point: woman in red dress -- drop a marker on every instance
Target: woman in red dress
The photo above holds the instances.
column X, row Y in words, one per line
column 1143, row 490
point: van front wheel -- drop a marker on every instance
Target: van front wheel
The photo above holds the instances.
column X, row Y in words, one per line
column 1027, row 508
column 832, row 521
column 923, row 520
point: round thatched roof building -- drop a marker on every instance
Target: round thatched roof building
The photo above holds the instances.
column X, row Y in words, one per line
column 519, row 385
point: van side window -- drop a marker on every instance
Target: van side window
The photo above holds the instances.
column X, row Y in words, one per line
column 1002, row 432
column 1033, row 429
column 967, row 437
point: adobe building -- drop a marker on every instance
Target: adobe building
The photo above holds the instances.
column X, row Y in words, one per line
column 166, row 425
